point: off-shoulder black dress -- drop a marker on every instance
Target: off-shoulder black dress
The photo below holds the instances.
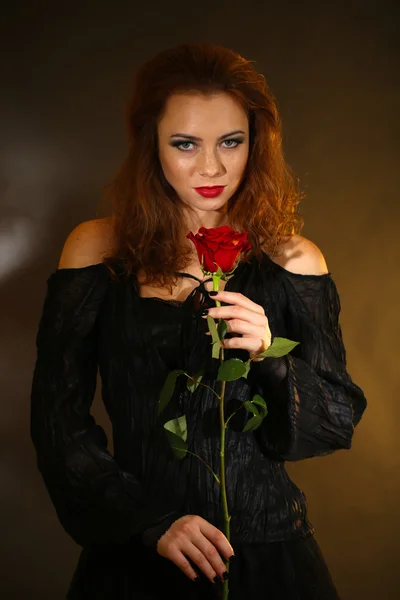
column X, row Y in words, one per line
column 117, row 506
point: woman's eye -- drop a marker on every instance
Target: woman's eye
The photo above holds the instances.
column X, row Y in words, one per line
column 182, row 144
column 235, row 141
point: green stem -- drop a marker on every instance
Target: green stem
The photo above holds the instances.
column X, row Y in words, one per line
column 227, row 518
column 234, row 413
column 203, row 461
column 204, row 384
column 250, row 359
column 210, row 388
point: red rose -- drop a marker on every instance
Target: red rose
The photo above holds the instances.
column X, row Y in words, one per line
column 219, row 247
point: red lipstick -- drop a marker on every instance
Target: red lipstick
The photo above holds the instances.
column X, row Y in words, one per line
column 210, row 192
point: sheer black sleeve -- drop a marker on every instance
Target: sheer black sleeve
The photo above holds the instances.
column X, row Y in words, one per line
column 96, row 501
column 313, row 404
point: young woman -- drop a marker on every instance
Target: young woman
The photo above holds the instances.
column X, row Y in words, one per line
column 127, row 299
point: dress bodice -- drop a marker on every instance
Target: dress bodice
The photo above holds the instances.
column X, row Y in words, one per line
column 92, row 324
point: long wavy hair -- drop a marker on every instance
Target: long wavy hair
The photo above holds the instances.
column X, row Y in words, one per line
column 148, row 226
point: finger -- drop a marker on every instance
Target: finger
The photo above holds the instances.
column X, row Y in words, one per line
column 207, row 558
column 231, row 333
column 217, row 538
column 247, row 328
column 236, row 312
column 236, row 298
column 175, row 555
column 236, row 326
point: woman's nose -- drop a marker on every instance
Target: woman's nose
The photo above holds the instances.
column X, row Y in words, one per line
column 211, row 164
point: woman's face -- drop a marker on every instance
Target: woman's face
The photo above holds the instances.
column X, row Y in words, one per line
column 217, row 157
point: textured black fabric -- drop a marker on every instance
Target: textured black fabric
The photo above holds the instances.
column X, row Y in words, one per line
column 116, row 507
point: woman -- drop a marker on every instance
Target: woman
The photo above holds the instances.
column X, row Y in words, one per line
column 128, row 297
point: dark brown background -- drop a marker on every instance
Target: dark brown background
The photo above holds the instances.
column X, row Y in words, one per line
column 66, row 72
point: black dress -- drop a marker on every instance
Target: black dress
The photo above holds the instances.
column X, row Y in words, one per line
column 117, row 506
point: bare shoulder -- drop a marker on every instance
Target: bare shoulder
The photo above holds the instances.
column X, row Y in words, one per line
column 87, row 244
column 301, row 255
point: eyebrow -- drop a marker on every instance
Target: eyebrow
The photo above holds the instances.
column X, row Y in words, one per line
column 197, row 139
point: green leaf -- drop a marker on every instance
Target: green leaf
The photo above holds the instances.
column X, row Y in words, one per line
column 251, row 406
column 176, row 430
column 178, row 446
column 216, row 343
column 178, row 426
column 279, row 347
column 193, row 385
column 168, row 389
column 216, row 349
column 252, row 423
column 222, row 328
column 247, row 366
column 257, row 399
column 231, row 369
column 216, row 334
column 212, row 328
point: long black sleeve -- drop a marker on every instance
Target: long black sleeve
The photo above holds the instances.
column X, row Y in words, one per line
column 313, row 404
column 96, row 501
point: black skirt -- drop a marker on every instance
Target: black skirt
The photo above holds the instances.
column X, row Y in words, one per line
column 287, row 570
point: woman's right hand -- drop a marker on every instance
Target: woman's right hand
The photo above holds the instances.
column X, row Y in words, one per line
column 193, row 537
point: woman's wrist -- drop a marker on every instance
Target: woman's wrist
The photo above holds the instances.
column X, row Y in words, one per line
column 152, row 534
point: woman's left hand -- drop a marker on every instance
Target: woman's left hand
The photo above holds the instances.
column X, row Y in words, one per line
column 242, row 316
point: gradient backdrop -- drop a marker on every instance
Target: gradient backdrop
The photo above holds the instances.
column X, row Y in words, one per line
column 66, row 72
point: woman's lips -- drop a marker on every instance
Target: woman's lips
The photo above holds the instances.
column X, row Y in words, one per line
column 210, row 192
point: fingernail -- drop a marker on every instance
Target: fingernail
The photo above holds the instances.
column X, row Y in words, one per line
column 212, row 293
column 225, row 575
column 232, row 556
column 204, row 312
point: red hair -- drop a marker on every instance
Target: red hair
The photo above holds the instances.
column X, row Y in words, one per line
column 148, row 224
